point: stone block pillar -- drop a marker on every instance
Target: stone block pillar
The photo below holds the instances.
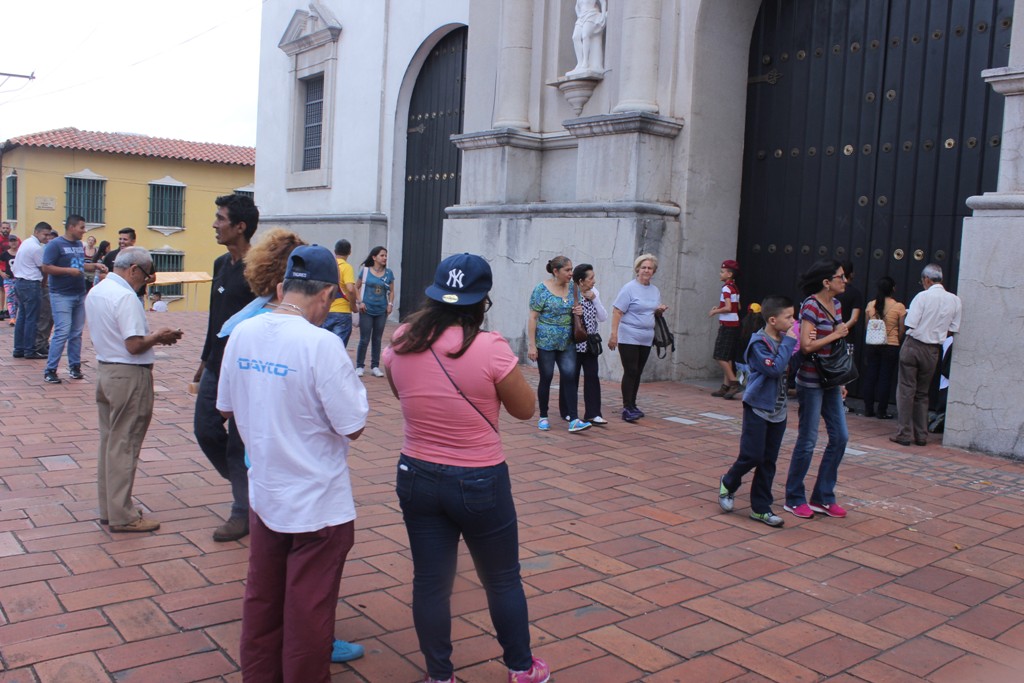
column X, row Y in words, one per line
column 514, row 60
column 985, row 411
column 638, row 64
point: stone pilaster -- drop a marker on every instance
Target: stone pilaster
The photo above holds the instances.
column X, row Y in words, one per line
column 638, row 62
column 514, row 61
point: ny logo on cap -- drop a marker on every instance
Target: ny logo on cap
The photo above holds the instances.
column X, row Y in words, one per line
column 455, row 278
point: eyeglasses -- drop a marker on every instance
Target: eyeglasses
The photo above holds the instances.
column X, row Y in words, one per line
column 144, row 272
column 838, row 277
column 487, row 303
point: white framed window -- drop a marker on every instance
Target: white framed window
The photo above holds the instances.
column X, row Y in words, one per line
column 311, row 40
column 85, row 195
column 166, row 205
column 167, row 260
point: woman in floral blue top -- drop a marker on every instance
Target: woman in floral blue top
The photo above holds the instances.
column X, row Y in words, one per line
column 549, row 333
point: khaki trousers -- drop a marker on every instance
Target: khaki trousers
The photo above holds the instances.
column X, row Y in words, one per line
column 917, row 366
column 124, row 397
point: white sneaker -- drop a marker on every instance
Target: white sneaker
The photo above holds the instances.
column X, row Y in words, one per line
column 377, row 372
column 359, row 372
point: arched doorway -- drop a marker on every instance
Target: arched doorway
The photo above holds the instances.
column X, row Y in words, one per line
column 868, row 126
column 433, row 166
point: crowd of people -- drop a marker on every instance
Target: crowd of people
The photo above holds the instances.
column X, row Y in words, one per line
column 280, row 316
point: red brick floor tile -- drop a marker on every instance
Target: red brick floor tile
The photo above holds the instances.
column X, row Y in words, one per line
column 606, row 669
column 790, row 637
column 706, row 669
column 834, row 655
column 81, row 668
column 637, row 651
column 788, row 607
column 187, row 668
column 908, row 621
column 59, row 645
column 139, row 620
column 766, row 663
column 854, row 629
column 973, row 668
column 67, row 622
column 696, row 640
column 28, row 601
column 920, row 656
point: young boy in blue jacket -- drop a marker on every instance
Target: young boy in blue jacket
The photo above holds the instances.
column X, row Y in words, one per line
column 764, row 411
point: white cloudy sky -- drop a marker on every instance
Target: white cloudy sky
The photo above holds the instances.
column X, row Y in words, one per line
column 186, row 69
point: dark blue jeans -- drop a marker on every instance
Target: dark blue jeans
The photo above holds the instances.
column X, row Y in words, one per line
column 568, row 381
column 815, row 404
column 440, row 503
column 222, row 446
column 586, row 363
column 29, row 292
column 340, row 324
column 371, row 328
column 759, row 451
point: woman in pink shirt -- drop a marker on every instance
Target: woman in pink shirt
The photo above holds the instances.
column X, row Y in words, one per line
column 451, row 379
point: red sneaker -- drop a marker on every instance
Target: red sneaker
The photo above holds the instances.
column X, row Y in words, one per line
column 833, row 510
column 803, row 510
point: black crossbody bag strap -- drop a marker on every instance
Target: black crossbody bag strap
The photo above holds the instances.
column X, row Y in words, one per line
column 489, row 423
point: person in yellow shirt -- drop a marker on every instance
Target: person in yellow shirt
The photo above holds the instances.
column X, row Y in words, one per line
column 339, row 318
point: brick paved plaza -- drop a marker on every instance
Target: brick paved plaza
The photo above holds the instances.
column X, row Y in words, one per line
column 631, row 570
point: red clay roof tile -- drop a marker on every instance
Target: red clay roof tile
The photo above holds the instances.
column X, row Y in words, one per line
column 137, row 145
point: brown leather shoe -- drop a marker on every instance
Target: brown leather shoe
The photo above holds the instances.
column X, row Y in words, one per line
column 902, row 442
column 232, row 530
column 731, row 391
column 721, row 391
column 138, row 526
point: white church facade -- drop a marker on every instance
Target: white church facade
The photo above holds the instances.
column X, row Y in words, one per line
column 699, row 130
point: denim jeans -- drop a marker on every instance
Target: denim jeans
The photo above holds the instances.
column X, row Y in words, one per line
column 587, row 365
column 568, row 387
column 440, row 503
column 29, row 293
column 759, row 451
column 817, row 403
column 222, row 447
column 68, row 322
column 371, row 327
column 340, row 324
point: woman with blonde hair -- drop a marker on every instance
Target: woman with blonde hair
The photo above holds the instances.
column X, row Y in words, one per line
column 633, row 329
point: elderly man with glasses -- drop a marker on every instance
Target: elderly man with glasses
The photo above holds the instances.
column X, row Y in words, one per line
column 124, row 388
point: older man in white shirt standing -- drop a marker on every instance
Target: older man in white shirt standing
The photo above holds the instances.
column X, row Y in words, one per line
column 934, row 314
column 124, row 386
column 28, row 282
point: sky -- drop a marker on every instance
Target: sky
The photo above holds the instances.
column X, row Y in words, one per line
column 187, row 69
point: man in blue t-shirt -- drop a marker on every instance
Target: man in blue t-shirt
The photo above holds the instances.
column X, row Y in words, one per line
column 64, row 265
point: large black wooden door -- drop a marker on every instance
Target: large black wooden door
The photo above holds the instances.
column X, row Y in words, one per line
column 868, row 126
column 433, row 166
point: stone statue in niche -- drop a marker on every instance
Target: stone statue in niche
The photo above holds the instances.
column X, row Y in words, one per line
column 588, row 37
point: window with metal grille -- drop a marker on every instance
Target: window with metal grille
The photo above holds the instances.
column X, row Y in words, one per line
column 12, row 197
column 313, row 117
column 85, row 196
column 167, row 205
column 246, row 193
column 168, row 261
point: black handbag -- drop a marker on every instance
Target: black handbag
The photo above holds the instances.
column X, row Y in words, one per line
column 837, row 368
column 594, row 344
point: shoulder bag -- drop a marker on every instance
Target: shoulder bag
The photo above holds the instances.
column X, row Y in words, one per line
column 473, row 405
column 579, row 330
column 837, row 368
column 663, row 337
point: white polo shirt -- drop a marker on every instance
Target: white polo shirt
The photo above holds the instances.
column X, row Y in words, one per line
column 114, row 313
column 30, row 257
column 933, row 314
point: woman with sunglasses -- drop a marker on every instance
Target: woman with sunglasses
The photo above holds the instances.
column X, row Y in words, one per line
column 820, row 326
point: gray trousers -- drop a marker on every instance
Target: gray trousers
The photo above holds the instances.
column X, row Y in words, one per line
column 917, row 366
column 124, row 397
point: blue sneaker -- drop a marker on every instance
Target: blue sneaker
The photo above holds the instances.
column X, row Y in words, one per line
column 543, row 424
column 578, row 426
column 346, row 652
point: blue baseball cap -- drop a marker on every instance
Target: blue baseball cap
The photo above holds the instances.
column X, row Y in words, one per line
column 312, row 262
column 461, row 280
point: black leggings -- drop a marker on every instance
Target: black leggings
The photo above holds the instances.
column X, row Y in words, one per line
column 634, row 358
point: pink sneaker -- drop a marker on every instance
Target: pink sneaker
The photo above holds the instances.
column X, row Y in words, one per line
column 540, row 672
column 803, row 510
column 833, row 510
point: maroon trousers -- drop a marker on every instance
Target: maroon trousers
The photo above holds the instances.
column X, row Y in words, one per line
column 291, row 595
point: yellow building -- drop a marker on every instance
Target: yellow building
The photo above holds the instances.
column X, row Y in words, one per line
column 163, row 188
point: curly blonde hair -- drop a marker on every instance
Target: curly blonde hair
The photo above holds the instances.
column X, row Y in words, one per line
column 268, row 259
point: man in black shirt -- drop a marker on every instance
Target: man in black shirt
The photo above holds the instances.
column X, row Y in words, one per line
column 125, row 238
column 235, row 224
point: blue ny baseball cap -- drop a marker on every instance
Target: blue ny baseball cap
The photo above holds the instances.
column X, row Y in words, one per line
column 461, row 280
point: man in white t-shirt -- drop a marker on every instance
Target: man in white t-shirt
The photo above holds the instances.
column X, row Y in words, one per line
column 297, row 401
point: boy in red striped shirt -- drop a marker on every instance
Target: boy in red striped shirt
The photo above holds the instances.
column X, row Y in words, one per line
column 728, row 312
